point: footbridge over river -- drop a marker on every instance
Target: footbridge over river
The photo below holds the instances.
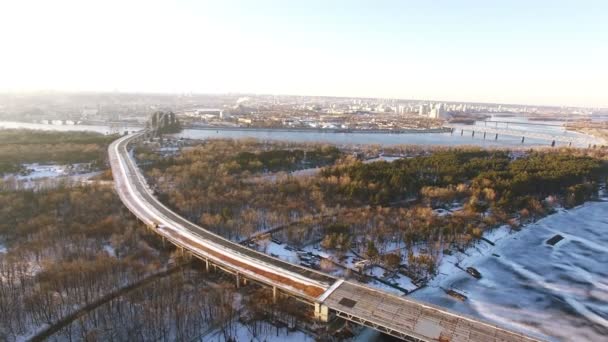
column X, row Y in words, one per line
column 331, row 297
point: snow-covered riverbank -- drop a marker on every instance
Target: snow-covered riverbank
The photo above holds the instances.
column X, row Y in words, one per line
column 557, row 291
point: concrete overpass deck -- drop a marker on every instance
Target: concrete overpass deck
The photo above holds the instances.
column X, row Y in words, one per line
column 409, row 319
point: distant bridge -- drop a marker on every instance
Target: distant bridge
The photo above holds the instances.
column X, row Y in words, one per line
column 525, row 123
column 492, row 133
column 397, row 316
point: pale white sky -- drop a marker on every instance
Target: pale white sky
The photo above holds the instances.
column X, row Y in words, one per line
column 530, row 52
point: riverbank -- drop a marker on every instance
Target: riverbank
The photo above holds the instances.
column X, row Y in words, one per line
column 600, row 134
column 320, row 130
column 560, row 291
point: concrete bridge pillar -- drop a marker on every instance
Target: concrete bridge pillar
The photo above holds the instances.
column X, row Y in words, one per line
column 238, row 280
column 274, row 294
column 207, row 265
column 321, row 312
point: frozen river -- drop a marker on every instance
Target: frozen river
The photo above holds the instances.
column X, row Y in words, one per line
column 560, row 291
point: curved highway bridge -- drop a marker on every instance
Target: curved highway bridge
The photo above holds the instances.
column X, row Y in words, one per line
column 400, row 317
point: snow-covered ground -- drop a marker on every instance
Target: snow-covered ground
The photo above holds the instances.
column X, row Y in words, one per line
column 37, row 171
column 557, row 291
column 273, row 176
column 266, row 332
column 381, row 158
column 110, row 250
column 279, row 251
column 349, row 260
column 49, row 175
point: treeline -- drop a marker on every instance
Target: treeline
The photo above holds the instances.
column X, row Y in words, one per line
column 19, row 146
column 36, row 137
column 284, row 160
column 509, row 179
column 201, row 183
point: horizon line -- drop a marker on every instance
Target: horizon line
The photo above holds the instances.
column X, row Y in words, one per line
column 182, row 93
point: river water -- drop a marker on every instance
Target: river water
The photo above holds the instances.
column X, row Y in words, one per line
column 560, row 292
column 384, row 139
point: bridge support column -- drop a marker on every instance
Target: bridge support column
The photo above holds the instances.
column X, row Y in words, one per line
column 321, row 312
column 207, row 265
column 238, row 280
column 274, row 294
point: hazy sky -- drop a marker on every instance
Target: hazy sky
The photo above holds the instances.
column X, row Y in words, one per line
column 510, row 51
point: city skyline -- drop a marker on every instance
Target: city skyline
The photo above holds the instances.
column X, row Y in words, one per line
column 549, row 54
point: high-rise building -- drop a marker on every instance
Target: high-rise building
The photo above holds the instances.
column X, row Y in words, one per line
column 437, row 111
column 422, row 110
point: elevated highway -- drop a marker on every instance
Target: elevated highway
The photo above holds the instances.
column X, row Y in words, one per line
column 398, row 316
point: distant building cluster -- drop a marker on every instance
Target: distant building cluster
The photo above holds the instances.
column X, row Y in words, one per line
column 254, row 110
column 206, row 113
column 433, row 111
